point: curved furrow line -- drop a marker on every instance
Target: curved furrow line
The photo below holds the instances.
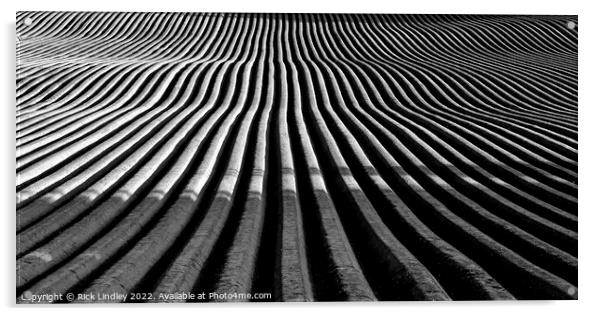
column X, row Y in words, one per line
column 446, row 134
column 40, row 93
column 148, row 251
column 139, row 83
column 33, row 74
column 291, row 275
column 426, row 63
column 57, row 196
column 471, row 165
column 40, row 44
column 450, row 259
column 489, row 38
column 546, row 45
column 442, row 40
column 530, row 144
column 336, row 273
column 134, row 47
column 44, row 150
column 514, row 42
column 147, row 86
column 495, row 21
column 242, row 259
column 124, row 45
column 112, row 149
column 199, row 34
column 462, row 68
column 127, row 102
column 185, row 269
column 408, row 275
column 434, row 156
column 547, row 250
column 473, row 59
column 90, row 40
column 65, row 89
column 420, row 101
column 494, row 125
column 97, row 129
column 146, row 45
column 117, row 238
column 90, row 90
column 130, row 188
column 25, row 112
column 200, row 136
column 309, row 157
column 41, row 85
column 47, row 21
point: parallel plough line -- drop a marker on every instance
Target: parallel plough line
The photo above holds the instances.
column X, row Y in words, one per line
column 310, row 156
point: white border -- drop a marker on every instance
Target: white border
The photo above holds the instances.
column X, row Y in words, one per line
column 590, row 188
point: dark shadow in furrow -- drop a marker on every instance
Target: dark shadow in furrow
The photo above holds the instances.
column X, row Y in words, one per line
column 105, row 77
column 486, row 201
column 363, row 66
column 278, row 200
column 106, row 136
column 504, row 174
column 181, row 184
column 439, row 69
column 264, row 280
column 125, row 177
column 357, row 230
column 137, row 200
column 34, row 81
column 516, row 198
column 129, row 83
column 368, row 257
column 324, row 282
column 512, row 106
column 435, row 167
column 548, row 234
column 395, row 65
column 455, row 285
column 549, row 129
column 103, row 73
column 489, row 50
column 209, row 274
column 538, row 256
column 486, row 164
column 384, row 172
column 274, row 212
column 121, row 157
column 122, row 84
column 558, row 131
column 84, row 282
column 152, row 75
column 557, row 149
column 50, row 90
column 146, row 81
column 85, row 101
column 148, row 283
column 265, row 275
column 509, row 278
column 150, row 154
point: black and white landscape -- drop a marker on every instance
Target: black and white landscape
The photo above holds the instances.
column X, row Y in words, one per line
column 169, row 157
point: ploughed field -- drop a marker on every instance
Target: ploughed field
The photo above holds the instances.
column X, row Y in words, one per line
column 309, row 156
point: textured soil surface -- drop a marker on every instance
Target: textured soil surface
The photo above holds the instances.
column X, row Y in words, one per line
column 308, row 156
